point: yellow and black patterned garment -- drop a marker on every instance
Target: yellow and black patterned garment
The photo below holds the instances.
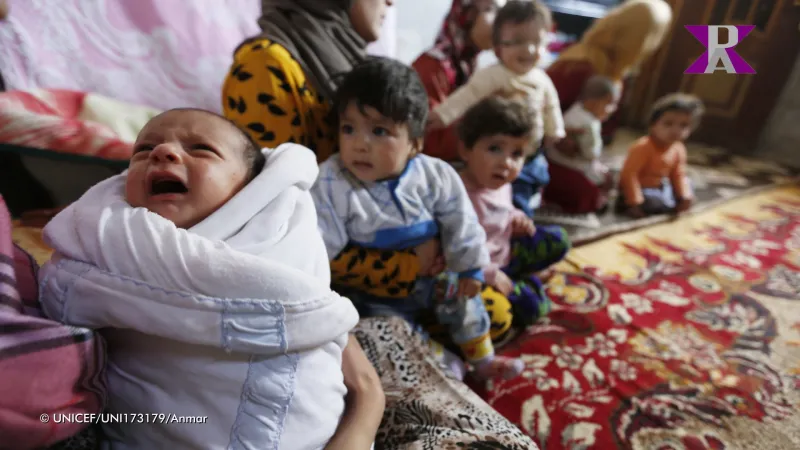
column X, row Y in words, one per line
column 267, row 95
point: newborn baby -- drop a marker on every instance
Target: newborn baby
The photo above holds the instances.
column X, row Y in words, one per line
column 203, row 267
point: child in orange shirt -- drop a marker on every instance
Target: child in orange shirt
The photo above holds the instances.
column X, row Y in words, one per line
column 653, row 179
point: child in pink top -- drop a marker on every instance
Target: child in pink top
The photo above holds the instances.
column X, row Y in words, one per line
column 495, row 140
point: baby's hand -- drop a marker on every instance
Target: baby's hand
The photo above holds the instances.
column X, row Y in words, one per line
column 502, row 283
column 434, row 122
column 522, row 226
column 468, row 288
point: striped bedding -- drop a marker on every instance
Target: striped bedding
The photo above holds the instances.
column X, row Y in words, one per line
column 46, row 367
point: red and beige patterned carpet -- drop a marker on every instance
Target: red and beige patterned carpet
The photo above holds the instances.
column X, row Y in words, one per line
column 688, row 339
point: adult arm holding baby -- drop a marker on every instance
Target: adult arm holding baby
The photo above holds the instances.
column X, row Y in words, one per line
column 364, row 404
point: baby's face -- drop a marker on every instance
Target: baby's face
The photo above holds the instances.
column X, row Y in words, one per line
column 521, row 45
column 185, row 165
column 671, row 127
column 603, row 107
column 496, row 160
column 373, row 147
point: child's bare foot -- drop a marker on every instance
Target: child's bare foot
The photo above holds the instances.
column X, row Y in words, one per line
column 499, row 366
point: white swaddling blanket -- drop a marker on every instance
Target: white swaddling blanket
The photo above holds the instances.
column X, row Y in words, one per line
column 246, row 290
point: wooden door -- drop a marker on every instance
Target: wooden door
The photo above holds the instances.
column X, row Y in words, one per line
column 737, row 105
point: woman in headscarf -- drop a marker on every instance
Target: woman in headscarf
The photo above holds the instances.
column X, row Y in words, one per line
column 466, row 31
column 280, row 81
column 613, row 47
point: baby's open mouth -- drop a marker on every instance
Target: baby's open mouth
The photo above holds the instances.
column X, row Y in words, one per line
column 167, row 184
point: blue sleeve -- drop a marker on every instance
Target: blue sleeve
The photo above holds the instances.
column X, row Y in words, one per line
column 463, row 237
column 330, row 193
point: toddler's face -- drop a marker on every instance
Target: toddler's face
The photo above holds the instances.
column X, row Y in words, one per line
column 185, row 165
column 671, row 127
column 372, row 146
column 602, row 108
column 521, row 45
column 496, row 160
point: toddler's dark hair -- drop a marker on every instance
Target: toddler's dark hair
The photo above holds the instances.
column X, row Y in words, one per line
column 389, row 86
column 599, row 86
column 495, row 115
column 520, row 11
column 677, row 102
column 254, row 160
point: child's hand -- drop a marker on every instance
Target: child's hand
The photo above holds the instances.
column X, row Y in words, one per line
column 522, row 226
column 434, row 122
column 636, row 212
column 502, row 283
column 429, row 254
column 684, row 205
column 468, row 288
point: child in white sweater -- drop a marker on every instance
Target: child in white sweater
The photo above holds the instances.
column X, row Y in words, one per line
column 585, row 118
column 520, row 35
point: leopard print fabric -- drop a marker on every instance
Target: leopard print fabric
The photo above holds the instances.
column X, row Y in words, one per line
column 427, row 408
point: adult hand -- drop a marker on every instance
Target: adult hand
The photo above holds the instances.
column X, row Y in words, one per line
column 522, row 226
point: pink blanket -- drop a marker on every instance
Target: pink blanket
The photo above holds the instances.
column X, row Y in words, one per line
column 163, row 54
column 54, row 120
column 47, row 368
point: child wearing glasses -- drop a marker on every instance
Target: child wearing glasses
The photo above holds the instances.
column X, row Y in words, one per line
column 520, row 35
